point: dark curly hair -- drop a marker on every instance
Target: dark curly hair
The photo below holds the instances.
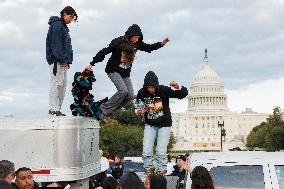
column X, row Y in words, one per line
column 128, row 49
column 22, row 169
column 201, row 178
column 70, row 11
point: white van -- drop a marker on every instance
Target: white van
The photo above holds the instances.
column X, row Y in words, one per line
column 242, row 170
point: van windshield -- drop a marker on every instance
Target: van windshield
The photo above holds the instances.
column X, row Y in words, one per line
column 280, row 175
column 241, row 177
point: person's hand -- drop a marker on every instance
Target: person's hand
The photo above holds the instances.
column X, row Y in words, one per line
column 141, row 112
column 165, row 41
column 90, row 68
column 175, row 85
column 64, row 65
column 186, row 166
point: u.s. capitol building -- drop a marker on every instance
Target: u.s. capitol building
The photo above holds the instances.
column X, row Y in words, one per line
column 197, row 128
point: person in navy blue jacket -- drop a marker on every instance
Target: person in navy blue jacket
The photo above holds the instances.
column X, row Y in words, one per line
column 59, row 55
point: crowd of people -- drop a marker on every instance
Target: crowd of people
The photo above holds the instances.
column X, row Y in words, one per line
column 178, row 166
column 23, row 177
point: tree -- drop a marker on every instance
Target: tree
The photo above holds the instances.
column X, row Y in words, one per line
column 172, row 141
column 119, row 139
column 276, row 118
column 270, row 134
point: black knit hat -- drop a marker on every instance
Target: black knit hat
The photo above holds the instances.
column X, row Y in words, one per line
column 151, row 80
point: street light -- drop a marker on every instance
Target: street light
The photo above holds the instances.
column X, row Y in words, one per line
column 223, row 133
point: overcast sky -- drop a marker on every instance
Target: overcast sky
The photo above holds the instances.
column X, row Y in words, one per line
column 245, row 41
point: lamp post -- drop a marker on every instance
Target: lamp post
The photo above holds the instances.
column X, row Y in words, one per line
column 223, row 133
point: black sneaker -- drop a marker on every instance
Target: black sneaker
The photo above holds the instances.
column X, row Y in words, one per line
column 103, row 118
column 56, row 113
column 150, row 171
column 161, row 173
column 60, row 114
column 50, row 112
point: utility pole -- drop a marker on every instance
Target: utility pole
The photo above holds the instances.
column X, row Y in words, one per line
column 223, row 133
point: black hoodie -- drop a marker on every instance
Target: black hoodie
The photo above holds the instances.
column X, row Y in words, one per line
column 115, row 63
column 157, row 104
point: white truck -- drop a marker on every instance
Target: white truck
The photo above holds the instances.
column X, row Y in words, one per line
column 242, row 170
column 55, row 148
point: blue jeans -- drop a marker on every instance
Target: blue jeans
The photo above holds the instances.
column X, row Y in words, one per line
column 162, row 134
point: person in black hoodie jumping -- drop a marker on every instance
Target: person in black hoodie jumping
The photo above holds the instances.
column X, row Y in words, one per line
column 119, row 65
column 158, row 119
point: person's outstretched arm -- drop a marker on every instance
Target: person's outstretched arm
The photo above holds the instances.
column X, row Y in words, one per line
column 151, row 47
column 180, row 92
column 100, row 56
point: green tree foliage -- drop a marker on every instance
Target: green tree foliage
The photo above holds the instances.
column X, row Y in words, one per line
column 270, row 134
column 172, row 141
column 119, row 139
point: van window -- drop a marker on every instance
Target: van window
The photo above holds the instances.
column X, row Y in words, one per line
column 280, row 175
column 232, row 177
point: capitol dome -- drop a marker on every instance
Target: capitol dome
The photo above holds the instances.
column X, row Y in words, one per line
column 207, row 90
column 206, row 74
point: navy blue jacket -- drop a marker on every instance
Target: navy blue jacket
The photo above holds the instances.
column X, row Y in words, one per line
column 58, row 42
column 113, row 64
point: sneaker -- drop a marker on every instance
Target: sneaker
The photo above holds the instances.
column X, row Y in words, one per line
column 149, row 171
column 60, row 114
column 103, row 118
column 161, row 173
column 50, row 112
column 55, row 113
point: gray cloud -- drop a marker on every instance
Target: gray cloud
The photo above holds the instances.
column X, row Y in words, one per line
column 244, row 41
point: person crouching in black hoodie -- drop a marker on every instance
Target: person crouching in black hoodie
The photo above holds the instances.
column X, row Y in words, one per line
column 158, row 119
column 119, row 65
